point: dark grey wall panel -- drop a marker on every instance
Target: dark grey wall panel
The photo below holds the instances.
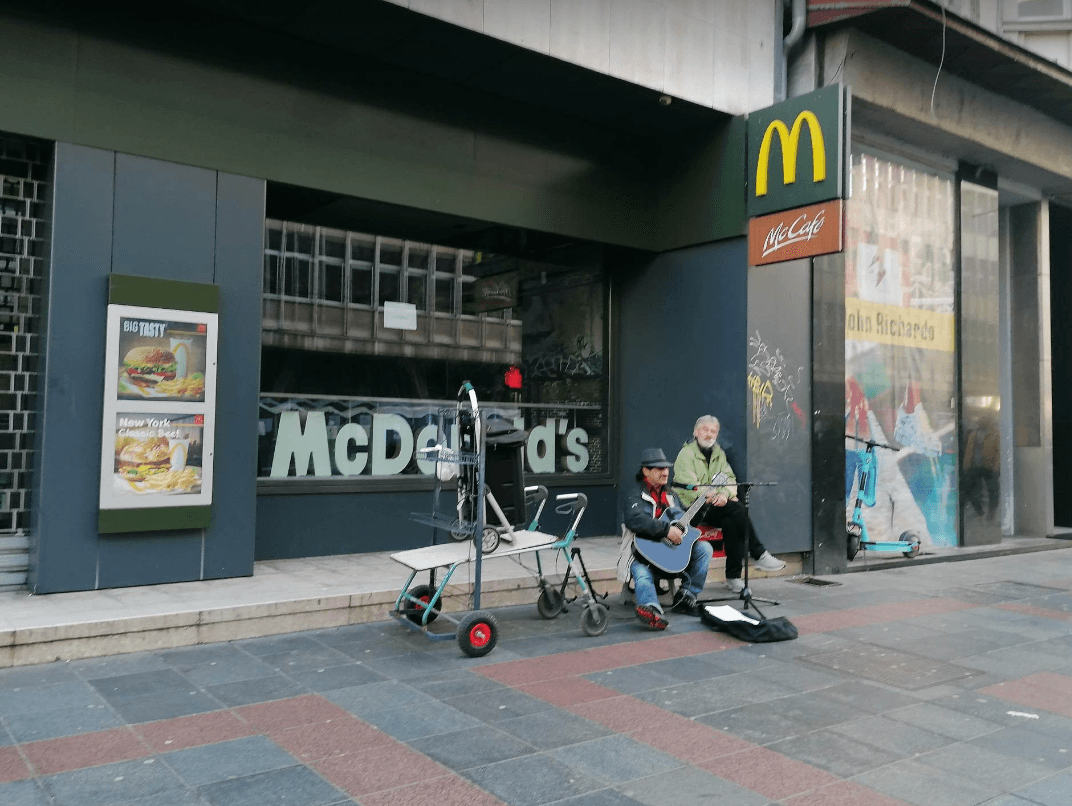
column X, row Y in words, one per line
column 132, row 215
column 165, row 220
column 163, row 225
column 64, row 537
column 779, row 426
column 230, row 537
column 320, row 525
column 682, row 340
column 828, row 416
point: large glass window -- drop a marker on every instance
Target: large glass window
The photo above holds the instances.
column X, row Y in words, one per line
column 900, row 369
column 347, row 394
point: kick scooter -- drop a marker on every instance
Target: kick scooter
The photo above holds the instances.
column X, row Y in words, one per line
column 867, row 470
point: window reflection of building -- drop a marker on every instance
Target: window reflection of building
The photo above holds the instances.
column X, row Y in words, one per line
column 327, row 349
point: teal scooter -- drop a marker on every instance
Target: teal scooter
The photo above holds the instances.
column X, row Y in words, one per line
column 867, row 471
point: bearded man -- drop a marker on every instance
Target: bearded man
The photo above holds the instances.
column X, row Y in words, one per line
column 699, row 461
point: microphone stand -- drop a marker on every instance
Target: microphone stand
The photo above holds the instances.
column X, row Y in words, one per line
column 746, row 593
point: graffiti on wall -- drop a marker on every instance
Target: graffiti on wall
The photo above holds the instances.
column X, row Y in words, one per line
column 773, row 388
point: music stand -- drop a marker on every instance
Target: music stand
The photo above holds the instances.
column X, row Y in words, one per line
column 746, row 593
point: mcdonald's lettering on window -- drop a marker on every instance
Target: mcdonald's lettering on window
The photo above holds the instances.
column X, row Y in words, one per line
column 795, row 152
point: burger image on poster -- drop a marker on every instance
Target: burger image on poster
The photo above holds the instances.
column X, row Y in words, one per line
column 140, row 458
column 148, row 366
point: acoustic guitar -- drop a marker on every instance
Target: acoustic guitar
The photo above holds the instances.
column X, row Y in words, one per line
column 666, row 556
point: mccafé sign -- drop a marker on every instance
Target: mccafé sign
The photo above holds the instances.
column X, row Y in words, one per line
column 795, row 152
column 792, row 234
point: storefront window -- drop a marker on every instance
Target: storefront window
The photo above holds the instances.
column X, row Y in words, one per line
column 347, row 395
column 900, row 364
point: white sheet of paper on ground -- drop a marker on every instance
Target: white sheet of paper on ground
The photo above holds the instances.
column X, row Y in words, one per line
column 727, row 613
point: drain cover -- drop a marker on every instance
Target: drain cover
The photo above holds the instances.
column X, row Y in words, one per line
column 888, row 666
column 812, row 581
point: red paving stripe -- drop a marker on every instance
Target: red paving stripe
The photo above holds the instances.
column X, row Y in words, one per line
column 1060, row 683
column 1046, row 692
column 564, row 693
column 877, row 614
column 388, row 766
column 85, row 750
column 308, row 709
column 440, row 792
column 844, row 793
column 1043, row 612
column 555, row 667
column 193, row 731
column 12, row 767
column 770, row 774
column 309, row 743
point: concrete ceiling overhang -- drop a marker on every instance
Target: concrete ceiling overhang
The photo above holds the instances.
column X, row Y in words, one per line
column 389, row 37
column 923, row 30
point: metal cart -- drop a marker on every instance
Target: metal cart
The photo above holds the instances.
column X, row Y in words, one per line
column 473, row 537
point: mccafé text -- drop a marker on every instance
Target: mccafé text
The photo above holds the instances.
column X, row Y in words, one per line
column 802, row 228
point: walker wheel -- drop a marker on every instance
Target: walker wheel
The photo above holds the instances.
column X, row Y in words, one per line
column 913, row 538
column 415, row 610
column 478, row 633
column 458, row 531
column 550, row 603
column 594, row 619
column 489, row 540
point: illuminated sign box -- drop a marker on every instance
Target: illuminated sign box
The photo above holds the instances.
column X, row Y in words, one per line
column 795, row 152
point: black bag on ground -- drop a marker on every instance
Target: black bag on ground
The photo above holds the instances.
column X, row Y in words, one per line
column 762, row 632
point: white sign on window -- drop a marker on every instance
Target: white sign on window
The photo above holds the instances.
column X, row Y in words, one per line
column 400, row 315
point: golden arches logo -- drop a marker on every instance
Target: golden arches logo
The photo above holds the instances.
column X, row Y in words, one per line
column 790, row 140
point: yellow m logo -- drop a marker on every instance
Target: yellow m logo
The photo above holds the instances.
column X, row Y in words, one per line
column 790, row 143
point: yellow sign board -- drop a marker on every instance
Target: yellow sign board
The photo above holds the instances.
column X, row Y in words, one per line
column 906, row 327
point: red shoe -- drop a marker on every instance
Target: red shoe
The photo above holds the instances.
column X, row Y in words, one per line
column 651, row 618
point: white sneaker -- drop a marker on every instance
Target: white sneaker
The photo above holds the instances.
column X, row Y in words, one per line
column 768, row 563
column 735, row 585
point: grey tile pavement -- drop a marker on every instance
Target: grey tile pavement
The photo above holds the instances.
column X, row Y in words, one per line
column 949, row 744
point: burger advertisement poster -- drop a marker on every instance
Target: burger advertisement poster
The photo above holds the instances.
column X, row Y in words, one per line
column 159, row 408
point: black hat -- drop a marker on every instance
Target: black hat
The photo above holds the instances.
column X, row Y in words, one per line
column 654, row 457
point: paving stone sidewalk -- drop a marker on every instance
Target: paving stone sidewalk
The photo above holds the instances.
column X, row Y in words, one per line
column 937, row 685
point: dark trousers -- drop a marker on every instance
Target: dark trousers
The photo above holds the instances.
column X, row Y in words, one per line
column 737, row 534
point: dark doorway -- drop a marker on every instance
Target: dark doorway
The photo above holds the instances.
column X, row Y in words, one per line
column 1061, row 360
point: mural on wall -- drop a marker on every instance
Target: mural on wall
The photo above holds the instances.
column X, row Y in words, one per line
column 900, row 379
column 772, row 389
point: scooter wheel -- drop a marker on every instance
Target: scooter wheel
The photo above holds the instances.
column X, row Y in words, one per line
column 853, row 546
column 913, row 538
column 594, row 619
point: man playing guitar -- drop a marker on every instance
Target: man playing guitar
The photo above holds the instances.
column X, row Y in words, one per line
column 650, row 513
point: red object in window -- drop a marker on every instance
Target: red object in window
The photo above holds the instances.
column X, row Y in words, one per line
column 512, row 378
column 202, row 328
column 199, row 419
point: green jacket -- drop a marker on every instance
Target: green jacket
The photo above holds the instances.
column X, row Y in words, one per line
column 690, row 467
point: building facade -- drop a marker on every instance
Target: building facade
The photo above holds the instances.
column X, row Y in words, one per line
column 387, row 199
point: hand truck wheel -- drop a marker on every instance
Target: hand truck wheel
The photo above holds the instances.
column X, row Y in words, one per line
column 478, row 633
column 415, row 610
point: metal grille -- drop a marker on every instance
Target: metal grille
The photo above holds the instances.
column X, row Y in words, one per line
column 24, row 235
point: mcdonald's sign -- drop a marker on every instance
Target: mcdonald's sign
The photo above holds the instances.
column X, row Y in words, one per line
column 795, row 152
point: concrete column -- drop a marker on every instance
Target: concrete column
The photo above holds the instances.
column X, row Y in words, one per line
column 1032, row 409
